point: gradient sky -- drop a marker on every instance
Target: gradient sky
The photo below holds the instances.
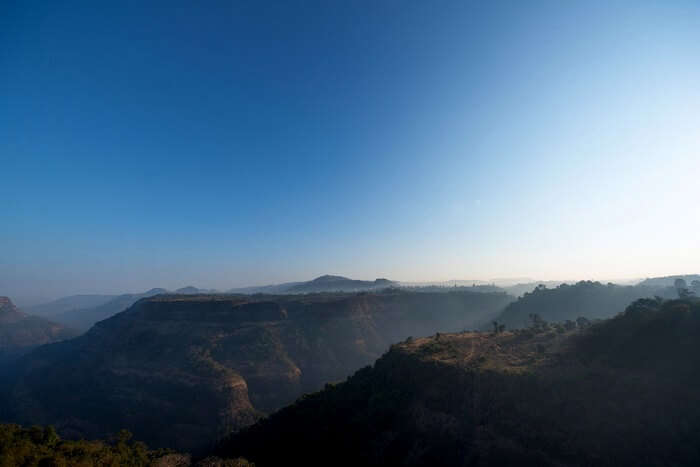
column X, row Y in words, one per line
column 224, row 144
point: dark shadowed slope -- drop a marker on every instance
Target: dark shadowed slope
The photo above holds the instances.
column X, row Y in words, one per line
column 622, row 392
column 180, row 371
column 20, row 332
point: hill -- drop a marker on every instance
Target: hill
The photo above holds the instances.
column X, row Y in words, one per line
column 624, row 392
column 327, row 283
column 180, row 370
column 591, row 300
column 668, row 281
column 20, row 332
column 82, row 311
column 65, row 304
column 191, row 290
column 338, row 284
column 83, row 318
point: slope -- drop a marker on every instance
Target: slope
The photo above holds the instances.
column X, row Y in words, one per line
column 625, row 391
column 181, row 370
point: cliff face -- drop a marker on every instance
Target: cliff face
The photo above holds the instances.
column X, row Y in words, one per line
column 181, row 371
column 20, row 332
column 622, row 392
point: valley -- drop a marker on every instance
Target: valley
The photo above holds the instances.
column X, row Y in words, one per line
column 183, row 370
column 540, row 397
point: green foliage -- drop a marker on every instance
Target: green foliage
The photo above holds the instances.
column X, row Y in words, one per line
column 217, row 462
column 42, row 447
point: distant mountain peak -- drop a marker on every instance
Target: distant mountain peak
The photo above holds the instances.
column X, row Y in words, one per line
column 329, row 278
column 325, row 283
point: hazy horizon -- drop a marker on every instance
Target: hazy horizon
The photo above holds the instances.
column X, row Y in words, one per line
column 35, row 299
column 235, row 145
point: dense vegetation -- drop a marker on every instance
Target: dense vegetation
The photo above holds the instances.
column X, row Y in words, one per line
column 625, row 391
column 42, row 447
column 591, row 300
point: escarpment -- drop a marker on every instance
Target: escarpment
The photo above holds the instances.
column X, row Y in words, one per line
column 182, row 371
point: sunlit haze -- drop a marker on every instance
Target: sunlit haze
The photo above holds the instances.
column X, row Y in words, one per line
column 160, row 145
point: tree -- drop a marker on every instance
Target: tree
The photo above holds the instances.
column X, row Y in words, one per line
column 50, row 436
column 537, row 322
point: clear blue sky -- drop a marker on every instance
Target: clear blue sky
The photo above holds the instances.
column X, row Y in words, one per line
column 149, row 144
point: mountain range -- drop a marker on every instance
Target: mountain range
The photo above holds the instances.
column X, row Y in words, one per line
column 182, row 370
column 326, row 283
column 82, row 311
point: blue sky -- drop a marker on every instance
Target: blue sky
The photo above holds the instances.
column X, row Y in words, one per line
column 237, row 143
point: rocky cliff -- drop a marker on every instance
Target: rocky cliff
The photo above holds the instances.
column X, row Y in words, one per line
column 180, row 371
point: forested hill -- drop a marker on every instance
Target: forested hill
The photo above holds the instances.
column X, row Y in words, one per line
column 42, row 446
column 181, row 370
column 591, row 300
column 623, row 392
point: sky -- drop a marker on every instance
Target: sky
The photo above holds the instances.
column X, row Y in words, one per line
column 222, row 144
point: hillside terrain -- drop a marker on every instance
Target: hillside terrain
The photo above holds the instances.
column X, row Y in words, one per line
column 668, row 281
column 84, row 318
column 82, row 311
column 182, row 370
column 69, row 303
column 590, row 300
column 625, row 391
column 42, row 446
column 327, row 283
column 338, row 284
column 20, row 332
